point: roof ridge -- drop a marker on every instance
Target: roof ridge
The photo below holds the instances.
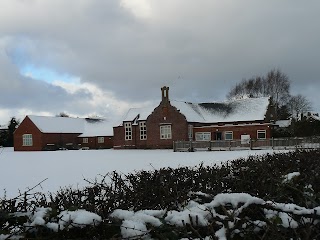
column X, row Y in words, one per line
column 223, row 101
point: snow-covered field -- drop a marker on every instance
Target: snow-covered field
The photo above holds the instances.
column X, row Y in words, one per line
column 23, row 170
column 20, row 170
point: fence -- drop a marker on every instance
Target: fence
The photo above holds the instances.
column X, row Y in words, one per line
column 270, row 143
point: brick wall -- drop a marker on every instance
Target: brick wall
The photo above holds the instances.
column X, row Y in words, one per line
column 64, row 140
column 165, row 114
column 238, row 130
column 120, row 142
column 94, row 144
column 41, row 141
column 118, row 137
column 27, row 127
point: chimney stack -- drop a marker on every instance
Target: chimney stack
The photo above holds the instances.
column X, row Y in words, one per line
column 165, row 94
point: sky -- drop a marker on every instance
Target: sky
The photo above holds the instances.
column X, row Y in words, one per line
column 100, row 58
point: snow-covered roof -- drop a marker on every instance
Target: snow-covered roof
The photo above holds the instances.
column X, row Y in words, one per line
column 134, row 114
column 249, row 109
column 283, row 123
column 48, row 124
column 97, row 127
column 84, row 126
column 311, row 115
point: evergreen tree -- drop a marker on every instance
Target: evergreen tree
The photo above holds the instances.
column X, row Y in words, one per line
column 306, row 127
column 13, row 123
column 3, row 138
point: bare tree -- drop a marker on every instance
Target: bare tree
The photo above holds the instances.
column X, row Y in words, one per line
column 252, row 87
column 278, row 88
column 275, row 85
column 238, row 91
column 298, row 105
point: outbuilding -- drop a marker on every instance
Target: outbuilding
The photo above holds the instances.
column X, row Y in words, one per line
column 37, row 133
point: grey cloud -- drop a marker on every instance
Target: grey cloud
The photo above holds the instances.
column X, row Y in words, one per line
column 39, row 96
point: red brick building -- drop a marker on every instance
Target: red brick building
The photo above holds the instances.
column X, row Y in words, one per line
column 97, row 134
column 37, row 133
column 173, row 121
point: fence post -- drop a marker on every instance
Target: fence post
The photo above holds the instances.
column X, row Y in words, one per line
column 191, row 147
column 272, row 143
column 210, row 145
column 250, row 141
column 174, row 146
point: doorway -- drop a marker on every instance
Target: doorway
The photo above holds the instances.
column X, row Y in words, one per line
column 218, row 136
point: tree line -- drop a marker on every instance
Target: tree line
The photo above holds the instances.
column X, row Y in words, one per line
column 274, row 84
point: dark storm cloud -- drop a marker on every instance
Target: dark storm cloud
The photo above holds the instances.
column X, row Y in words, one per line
column 131, row 48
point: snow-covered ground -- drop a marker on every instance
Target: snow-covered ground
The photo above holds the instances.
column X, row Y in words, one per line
column 23, row 170
column 20, row 170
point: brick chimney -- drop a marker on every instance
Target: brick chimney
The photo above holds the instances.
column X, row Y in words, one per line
column 165, row 101
column 165, row 94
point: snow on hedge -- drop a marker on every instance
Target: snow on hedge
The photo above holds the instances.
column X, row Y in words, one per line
column 137, row 225
column 134, row 224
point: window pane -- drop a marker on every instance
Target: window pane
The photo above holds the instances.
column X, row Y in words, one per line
column 143, row 130
column 27, row 140
column 128, row 130
column 198, row 136
column 165, row 132
column 229, row 135
column 203, row 136
column 261, row 134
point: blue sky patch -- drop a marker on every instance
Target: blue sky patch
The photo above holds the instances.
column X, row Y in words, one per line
column 47, row 75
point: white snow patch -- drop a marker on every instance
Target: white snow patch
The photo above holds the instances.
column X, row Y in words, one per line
column 134, row 223
column 78, row 218
column 289, row 176
column 38, row 216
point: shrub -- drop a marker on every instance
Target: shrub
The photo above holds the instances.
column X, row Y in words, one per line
column 274, row 196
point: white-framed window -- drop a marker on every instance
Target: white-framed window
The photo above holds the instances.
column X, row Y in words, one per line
column 85, row 140
column 228, row 135
column 165, row 132
column 261, row 134
column 27, row 140
column 100, row 139
column 203, row 136
column 128, row 131
column 190, row 131
column 143, row 130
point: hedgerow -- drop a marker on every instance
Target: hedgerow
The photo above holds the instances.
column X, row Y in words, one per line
column 272, row 196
